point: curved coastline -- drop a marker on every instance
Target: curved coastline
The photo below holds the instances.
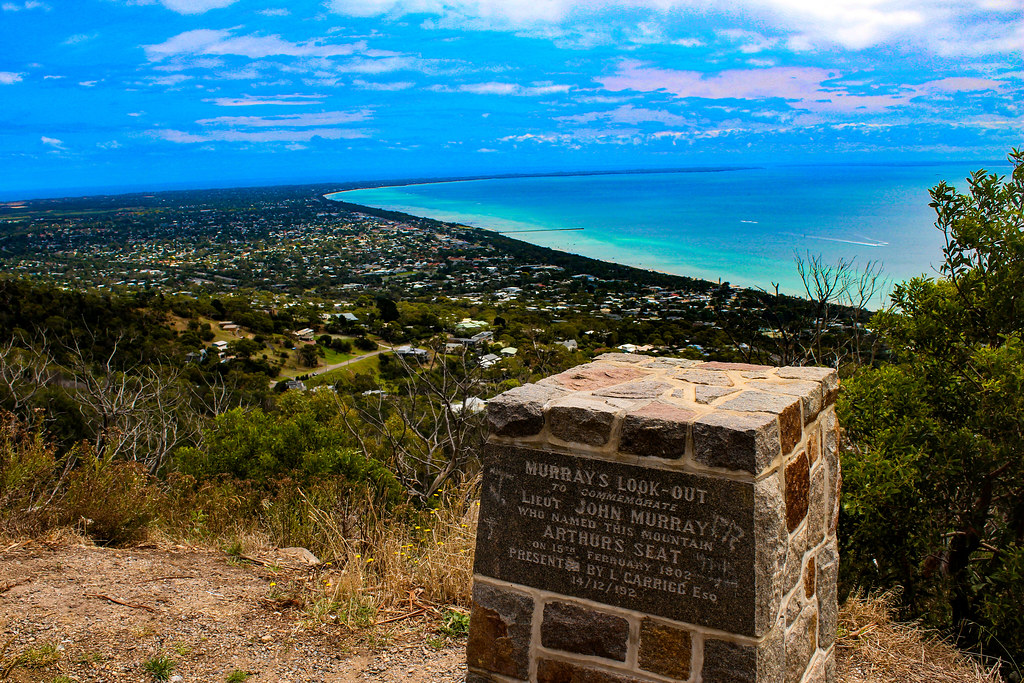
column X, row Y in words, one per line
column 388, row 184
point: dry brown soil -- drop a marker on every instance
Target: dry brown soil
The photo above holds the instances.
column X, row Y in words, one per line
column 95, row 614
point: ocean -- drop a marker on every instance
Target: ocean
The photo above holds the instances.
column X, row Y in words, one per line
column 743, row 226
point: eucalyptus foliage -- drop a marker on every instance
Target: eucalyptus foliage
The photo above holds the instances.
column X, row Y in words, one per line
column 934, row 470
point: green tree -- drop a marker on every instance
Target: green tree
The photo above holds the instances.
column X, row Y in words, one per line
column 935, row 475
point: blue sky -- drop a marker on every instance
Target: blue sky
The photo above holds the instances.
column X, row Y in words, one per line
column 151, row 93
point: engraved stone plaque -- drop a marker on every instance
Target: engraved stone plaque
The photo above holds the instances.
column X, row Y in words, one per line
column 670, row 544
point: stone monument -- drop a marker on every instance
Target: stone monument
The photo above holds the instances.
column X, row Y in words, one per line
column 654, row 520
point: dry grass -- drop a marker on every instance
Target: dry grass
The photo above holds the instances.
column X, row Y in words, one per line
column 400, row 569
column 872, row 648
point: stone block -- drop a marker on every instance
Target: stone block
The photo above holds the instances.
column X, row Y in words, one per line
column 664, row 650
column 797, row 490
column 582, row 420
column 816, row 508
column 713, row 378
column 830, row 440
column 830, row 666
column 827, row 377
column 594, row 376
column 795, row 550
column 827, row 569
column 640, row 389
column 816, row 673
column 728, row 662
column 834, row 503
column 519, row 412
column 478, row 677
column 809, row 393
column 786, row 407
column 499, row 631
column 623, row 358
column 657, row 430
column 584, row 631
column 705, row 395
column 770, row 540
column 801, row 642
column 670, row 363
column 554, row 671
column 810, row 578
column 747, row 367
column 748, row 442
column 814, row 444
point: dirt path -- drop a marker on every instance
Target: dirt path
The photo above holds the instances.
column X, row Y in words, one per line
column 93, row 614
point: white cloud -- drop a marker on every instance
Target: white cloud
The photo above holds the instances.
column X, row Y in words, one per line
column 184, row 137
column 327, row 118
column 80, row 38
column 221, row 42
column 195, row 6
column 967, row 27
column 274, row 12
column 24, row 6
column 804, row 88
column 10, row 77
column 268, row 100
column 499, row 88
column 394, row 85
column 52, row 142
column 628, row 114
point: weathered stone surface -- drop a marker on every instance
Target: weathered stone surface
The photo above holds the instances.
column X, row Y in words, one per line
column 593, row 376
column 810, row 578
column 705, row 395
column 584, row 631
column 670, row 363
column 830, row 666
column 714, row 378
column 830, row 439
column 795, row 551
column 478, row 677
column 623, row 357
column 582, row 420
column 833, row 504
column 726, row 662
column 671, row 544
column 657, row 430
column 816, row 512
column 801, row 642
column 519, row 412
column 814, row 444
column 794, row 606
column 827, row 566
column 748, row 442
column 552, row 671
column 664, row 649
column 797, row 489
column 718, row 365
column 816, row 673
column 828, row 378
column 786, row 407
column 810, row 393
column 499, row 631
column 770, row 540
column 645, row 388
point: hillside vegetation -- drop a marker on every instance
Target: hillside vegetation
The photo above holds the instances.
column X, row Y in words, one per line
column 124, row 421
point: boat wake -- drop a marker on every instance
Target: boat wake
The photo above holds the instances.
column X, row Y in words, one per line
column 862, row 242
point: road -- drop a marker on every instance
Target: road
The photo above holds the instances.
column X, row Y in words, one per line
column 327, row 368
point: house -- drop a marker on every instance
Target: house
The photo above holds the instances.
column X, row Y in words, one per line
column 305, row 334
column 509, row 351
column 570, row 344
column 471, row 404
column 489, row 360
column 295, row 385
column 350, row 317
column 409, row 352
column 220, row 345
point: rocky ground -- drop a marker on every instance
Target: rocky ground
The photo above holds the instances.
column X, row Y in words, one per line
column 71, row 612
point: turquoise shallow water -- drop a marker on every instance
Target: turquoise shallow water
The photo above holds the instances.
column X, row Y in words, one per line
column 741, row 226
